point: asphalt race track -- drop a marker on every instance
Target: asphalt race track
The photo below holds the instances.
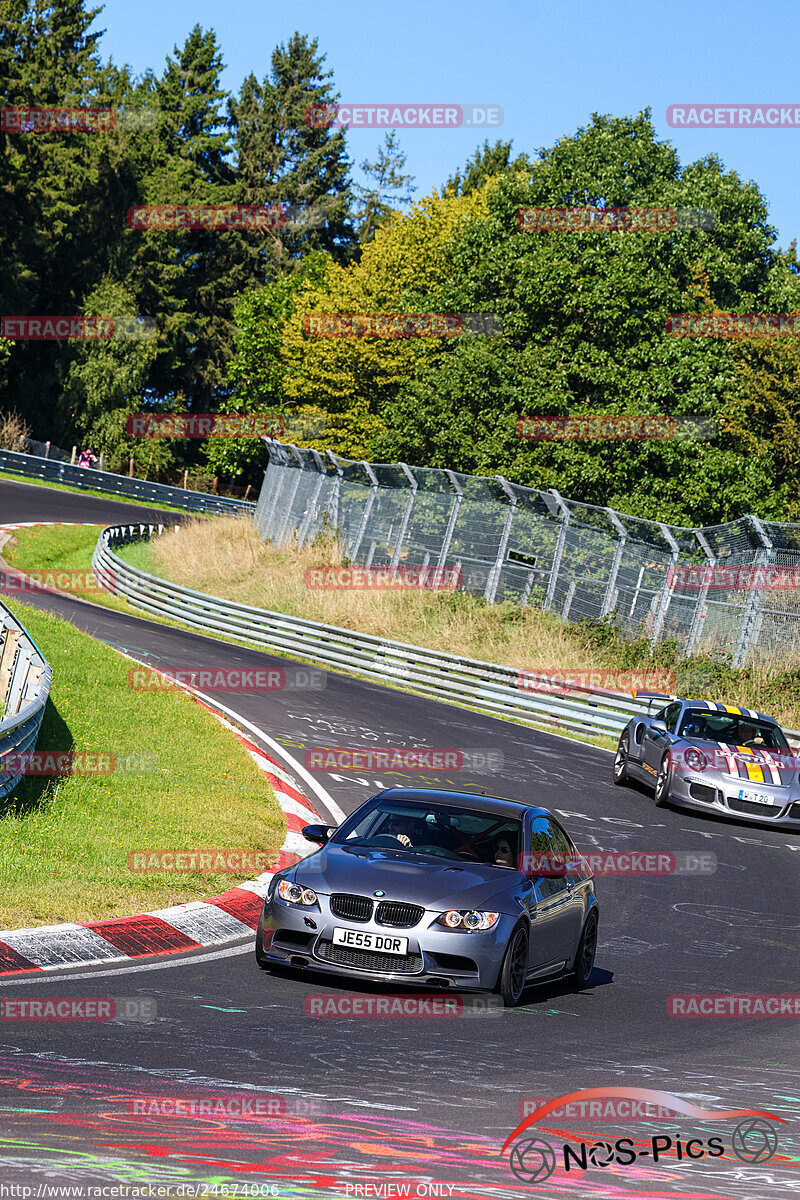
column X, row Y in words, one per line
column 370, row 1107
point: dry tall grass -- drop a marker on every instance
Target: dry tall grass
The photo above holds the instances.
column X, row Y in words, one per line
column 227, row 558
column 14, row 432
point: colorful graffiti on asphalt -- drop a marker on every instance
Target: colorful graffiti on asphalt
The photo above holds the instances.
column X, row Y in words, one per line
column 75, row 1123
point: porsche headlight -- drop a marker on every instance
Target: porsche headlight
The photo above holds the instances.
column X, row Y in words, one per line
column 292, row 893
column 695, row 759
column 468, row 921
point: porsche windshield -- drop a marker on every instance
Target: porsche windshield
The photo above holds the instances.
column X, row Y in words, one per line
column 732, row 730
column 434, row 829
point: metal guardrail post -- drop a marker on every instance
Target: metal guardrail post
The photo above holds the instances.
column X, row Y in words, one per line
column 337, row 492
column 308, row 519
column 558, row 554
column 281, row 538
column 494, row 574
column 701, row 607
column 452, row 518
column 609, row 599
column 667, row 589
column 570, row 596
column 412, row 495
column 362, row 525
column 752, row 616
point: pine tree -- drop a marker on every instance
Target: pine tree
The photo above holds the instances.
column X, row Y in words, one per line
column 285, row 156
column 387, row 185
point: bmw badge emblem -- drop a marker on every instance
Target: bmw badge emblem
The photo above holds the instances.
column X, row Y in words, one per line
column 379, row 893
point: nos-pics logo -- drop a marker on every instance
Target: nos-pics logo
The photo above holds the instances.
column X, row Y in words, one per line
column 534, row 1159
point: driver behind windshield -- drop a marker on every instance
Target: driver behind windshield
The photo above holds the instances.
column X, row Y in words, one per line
column 406, row 829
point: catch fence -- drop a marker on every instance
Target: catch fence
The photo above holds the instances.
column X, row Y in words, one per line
column 533, row 547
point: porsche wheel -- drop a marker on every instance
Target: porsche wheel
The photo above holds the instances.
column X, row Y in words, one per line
column 662, row 783
column 621, row 776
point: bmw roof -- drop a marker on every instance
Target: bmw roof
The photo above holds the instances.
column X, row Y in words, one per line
column 471, row 800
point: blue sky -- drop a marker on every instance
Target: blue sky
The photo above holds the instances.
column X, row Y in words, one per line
column 548, row 65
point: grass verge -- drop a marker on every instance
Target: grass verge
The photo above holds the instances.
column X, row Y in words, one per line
column 182, row 781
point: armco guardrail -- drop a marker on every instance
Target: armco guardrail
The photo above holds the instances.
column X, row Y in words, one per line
column 25, row 677
column 489, row 687
column 123, row 486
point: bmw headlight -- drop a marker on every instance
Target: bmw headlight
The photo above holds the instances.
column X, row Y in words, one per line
column 292, row 893
column 468, row 921
column 695, row 759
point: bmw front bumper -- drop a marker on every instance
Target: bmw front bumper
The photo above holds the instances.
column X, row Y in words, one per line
column 303, row 937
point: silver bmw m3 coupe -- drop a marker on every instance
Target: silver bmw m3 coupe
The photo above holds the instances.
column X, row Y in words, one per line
column 440, row 888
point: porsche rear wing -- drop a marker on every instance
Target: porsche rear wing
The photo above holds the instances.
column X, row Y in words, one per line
column 650, row 697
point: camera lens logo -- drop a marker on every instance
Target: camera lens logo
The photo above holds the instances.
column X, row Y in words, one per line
column 601, row 1154
column 533, row 1161
column 754, row 1140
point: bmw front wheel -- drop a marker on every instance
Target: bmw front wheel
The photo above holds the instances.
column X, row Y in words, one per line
column 511, row 980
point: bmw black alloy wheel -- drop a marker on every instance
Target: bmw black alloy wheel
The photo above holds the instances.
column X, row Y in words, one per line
column 511, row 982
column 587, row 948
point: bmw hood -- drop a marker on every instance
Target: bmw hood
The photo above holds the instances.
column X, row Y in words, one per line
column 431, row 882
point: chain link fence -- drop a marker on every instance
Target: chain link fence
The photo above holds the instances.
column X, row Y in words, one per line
column 537, row 548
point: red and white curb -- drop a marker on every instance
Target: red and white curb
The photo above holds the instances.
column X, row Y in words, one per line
column 191, row 926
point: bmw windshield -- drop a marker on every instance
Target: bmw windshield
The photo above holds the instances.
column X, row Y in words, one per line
column 442, row 831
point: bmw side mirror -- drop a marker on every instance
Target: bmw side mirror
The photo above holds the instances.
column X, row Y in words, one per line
column 317, row 833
